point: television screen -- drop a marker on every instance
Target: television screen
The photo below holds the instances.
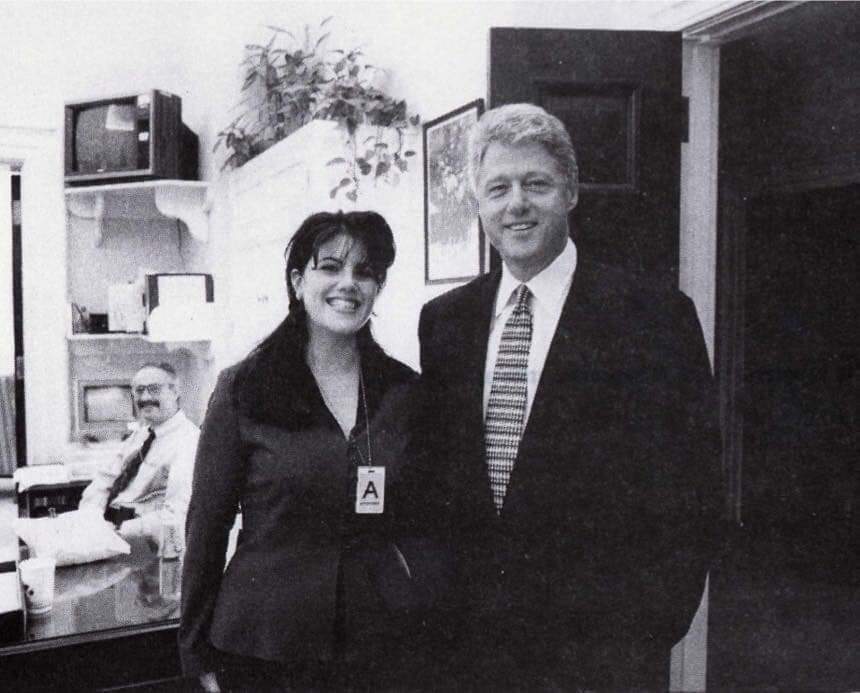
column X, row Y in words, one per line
column 107, row 138
column 109, row 403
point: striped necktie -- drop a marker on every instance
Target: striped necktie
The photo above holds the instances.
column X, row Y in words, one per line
column 130, row 467
column 506, row 407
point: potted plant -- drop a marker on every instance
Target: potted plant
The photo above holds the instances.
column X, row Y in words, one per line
column 288, row 83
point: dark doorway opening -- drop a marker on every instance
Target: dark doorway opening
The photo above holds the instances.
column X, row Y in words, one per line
column 801, row 352
column 785, row 603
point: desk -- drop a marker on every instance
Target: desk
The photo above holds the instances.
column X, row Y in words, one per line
column 113, row 623
column 41, row 499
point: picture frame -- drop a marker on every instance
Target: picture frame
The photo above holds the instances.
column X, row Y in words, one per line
column 453, row 237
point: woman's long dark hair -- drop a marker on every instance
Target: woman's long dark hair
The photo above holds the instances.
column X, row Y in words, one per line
column 287, row 342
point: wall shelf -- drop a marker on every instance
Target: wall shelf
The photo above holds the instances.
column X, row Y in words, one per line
column 87, row 337
column 121, row 343
column 187, row 201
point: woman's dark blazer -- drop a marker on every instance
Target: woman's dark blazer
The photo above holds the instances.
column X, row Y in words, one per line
column 272, row 448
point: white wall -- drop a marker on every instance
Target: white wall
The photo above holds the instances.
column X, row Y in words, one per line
column 37, row 152
column 7, row 344
column 698, row 214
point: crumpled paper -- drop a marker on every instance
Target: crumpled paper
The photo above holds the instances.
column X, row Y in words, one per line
column 71, row 538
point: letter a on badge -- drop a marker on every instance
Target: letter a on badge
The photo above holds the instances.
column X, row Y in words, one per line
column 370, row 491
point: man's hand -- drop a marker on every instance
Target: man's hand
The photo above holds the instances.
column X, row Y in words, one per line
column 209, row 682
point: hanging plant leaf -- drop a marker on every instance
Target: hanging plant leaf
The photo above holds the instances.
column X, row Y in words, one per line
column 336, row 160
column 363, row 166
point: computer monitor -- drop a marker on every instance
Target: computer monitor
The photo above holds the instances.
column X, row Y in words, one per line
column 103, row 409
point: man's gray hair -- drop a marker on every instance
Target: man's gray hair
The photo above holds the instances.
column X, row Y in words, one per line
column 162, row 366
column 520, row 123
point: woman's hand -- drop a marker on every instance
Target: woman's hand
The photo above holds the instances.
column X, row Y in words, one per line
column 209, row 682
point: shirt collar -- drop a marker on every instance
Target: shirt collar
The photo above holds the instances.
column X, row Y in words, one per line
column 165, row 427
column 548, row 287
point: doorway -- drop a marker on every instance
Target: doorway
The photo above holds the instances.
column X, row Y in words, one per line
column 785, row 611
column 799, row 476
column 12, row 445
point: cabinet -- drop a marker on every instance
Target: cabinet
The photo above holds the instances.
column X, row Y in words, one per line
column 115, row 234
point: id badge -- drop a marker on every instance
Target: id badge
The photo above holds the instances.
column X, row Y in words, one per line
column 370, row 491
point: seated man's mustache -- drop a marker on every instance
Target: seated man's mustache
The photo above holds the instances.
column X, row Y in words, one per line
column 147, row 403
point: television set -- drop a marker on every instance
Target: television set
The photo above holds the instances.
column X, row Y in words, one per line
column 103, row 409
column 128, row 138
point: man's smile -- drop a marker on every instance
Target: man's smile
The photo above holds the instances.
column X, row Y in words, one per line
column 521, row 226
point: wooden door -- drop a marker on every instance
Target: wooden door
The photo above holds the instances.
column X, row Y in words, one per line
column 619, row 94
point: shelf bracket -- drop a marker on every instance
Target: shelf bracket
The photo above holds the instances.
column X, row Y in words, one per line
column 190, row 205
column 91, row 206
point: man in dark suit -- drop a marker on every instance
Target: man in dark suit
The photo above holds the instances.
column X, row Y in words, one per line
column 572, row 436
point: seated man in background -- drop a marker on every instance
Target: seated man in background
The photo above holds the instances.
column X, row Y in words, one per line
column 149, row 481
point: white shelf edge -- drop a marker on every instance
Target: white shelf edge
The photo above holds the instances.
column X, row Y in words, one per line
column 128, row 336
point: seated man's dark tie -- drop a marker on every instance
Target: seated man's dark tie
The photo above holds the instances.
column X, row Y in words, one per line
column 130, row 467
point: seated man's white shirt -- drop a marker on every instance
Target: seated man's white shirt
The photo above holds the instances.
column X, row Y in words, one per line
column 549, row 289
column 161, row 489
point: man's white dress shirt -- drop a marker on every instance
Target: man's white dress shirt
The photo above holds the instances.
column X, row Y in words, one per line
column 549, row 289
column 161, row 489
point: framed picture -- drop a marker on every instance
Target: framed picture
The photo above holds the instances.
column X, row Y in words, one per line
column 453, row 239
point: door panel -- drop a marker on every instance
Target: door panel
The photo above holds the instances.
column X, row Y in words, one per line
column 619, row 94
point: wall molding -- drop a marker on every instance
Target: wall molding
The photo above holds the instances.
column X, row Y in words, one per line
column 736, row 22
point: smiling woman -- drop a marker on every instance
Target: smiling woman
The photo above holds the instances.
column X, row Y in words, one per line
column 308, row 436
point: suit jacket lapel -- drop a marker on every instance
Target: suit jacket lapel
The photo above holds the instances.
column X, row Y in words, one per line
column 573, row 349
column 481, row 318
column 476, row 319
column 573, row 345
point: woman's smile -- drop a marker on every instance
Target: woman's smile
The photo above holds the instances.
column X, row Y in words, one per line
column 343, row 304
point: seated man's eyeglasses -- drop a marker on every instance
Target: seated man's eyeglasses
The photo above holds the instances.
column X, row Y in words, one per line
column 152, row 389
